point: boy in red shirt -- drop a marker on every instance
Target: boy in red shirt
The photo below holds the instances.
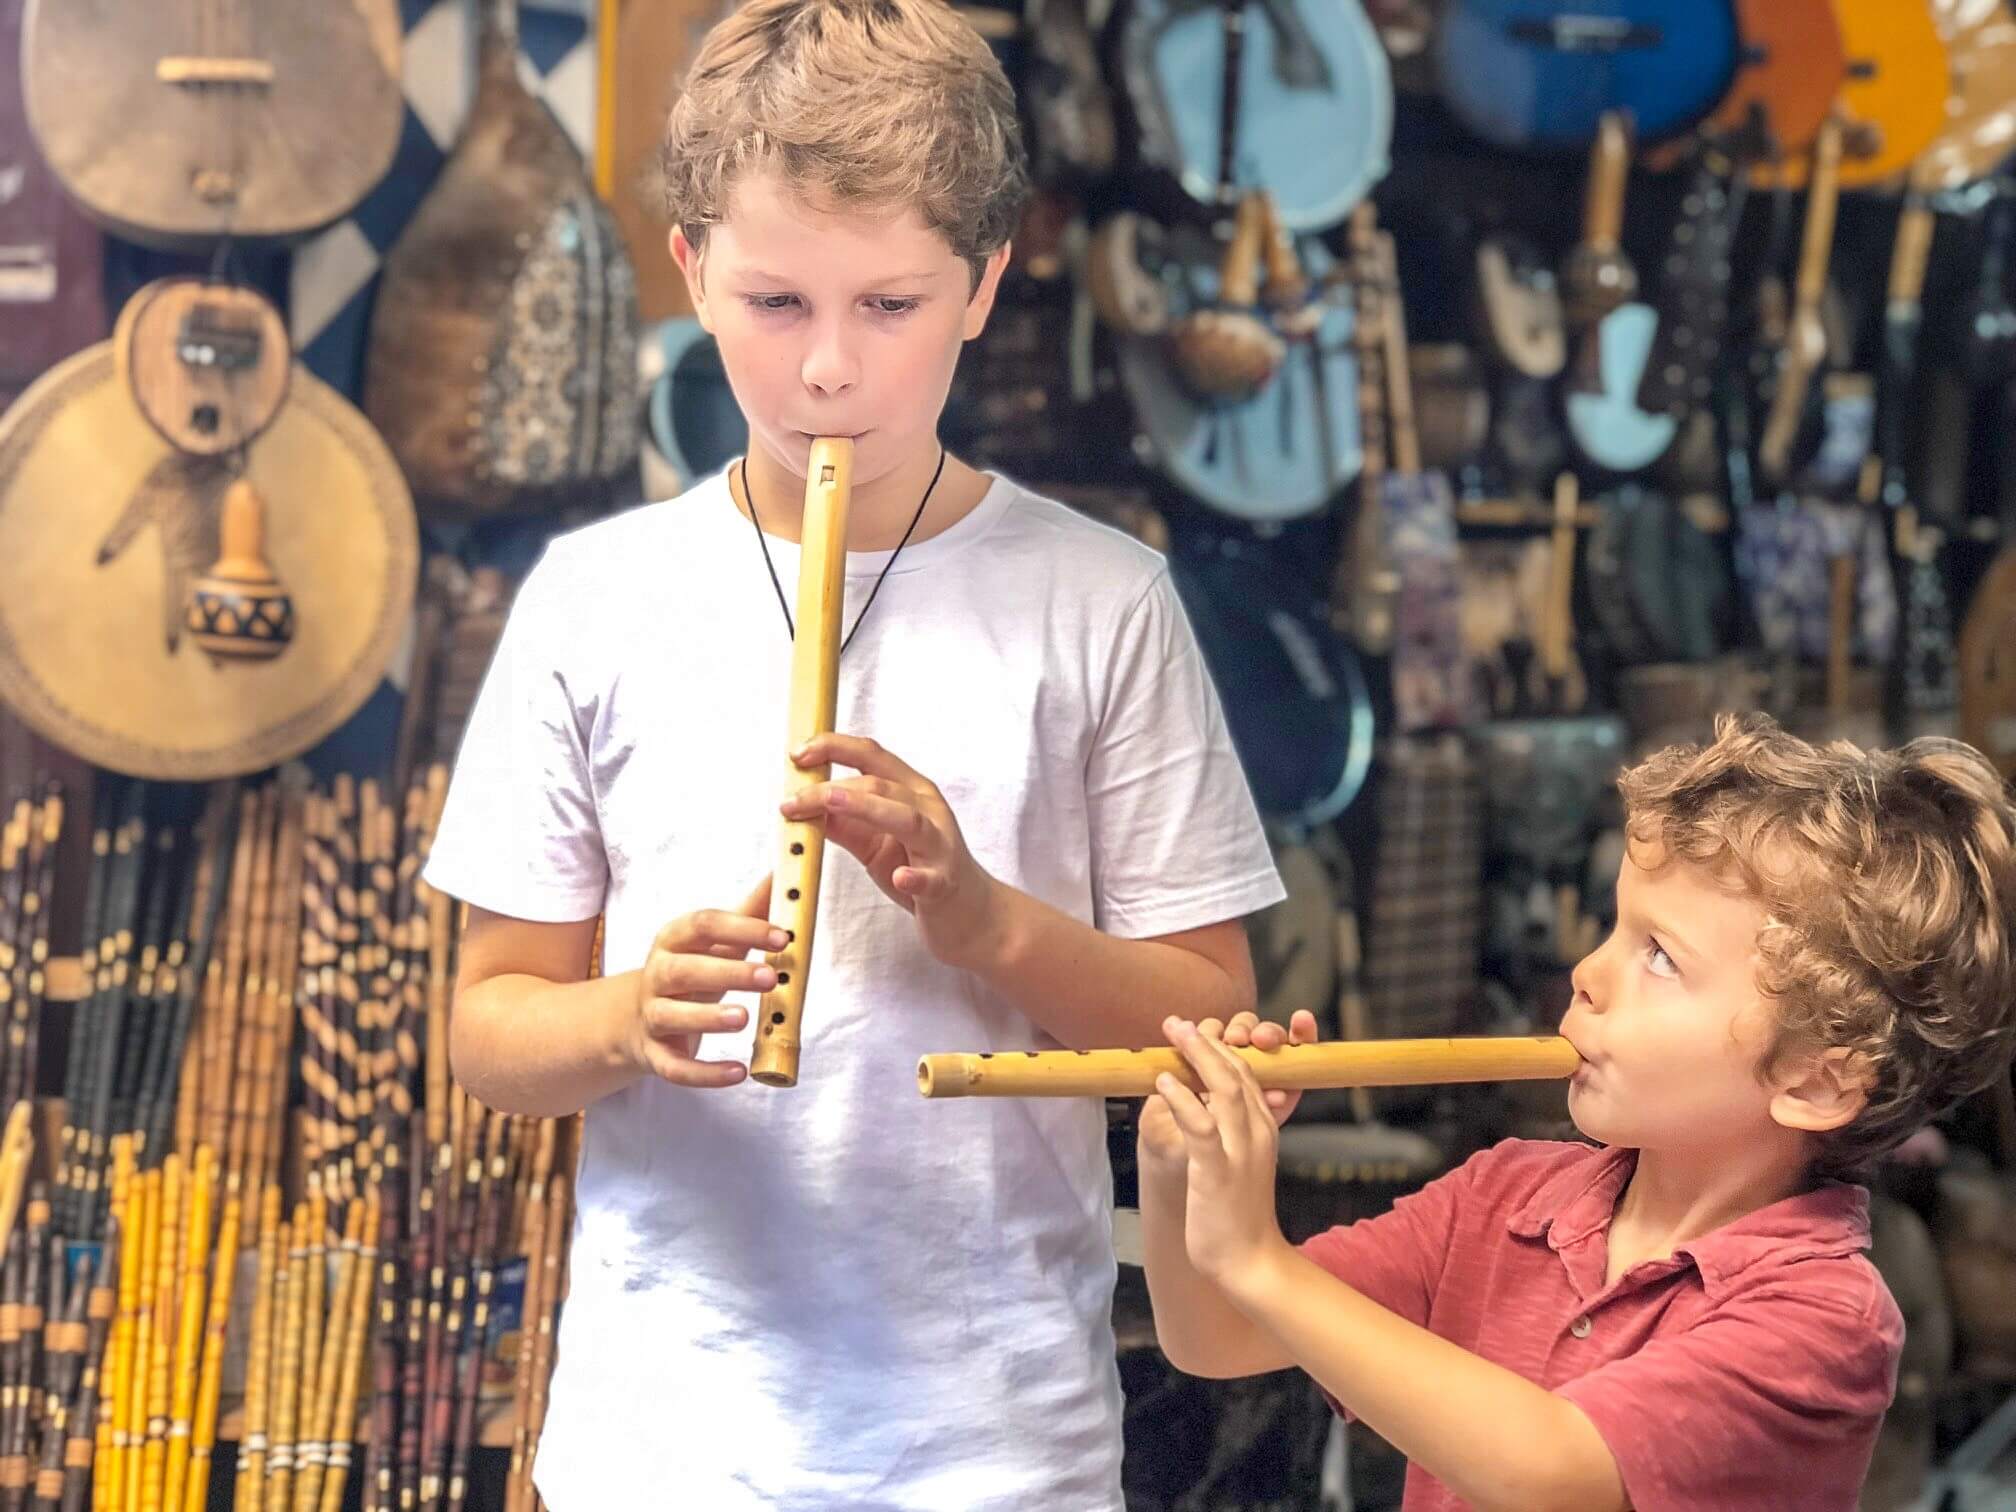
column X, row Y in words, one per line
column 1812, row 956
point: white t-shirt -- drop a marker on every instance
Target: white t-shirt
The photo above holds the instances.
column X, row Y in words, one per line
column 842, row 1295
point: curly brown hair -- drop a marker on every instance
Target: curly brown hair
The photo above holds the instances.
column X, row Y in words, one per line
column 1888, row 879
column 882, row 105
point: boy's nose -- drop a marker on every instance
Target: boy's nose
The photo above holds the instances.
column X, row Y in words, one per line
column 829, row 367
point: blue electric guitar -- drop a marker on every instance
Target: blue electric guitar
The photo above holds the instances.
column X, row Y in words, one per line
column 1539, row 74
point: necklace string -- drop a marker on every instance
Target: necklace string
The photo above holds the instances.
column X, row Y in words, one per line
column 777, row 583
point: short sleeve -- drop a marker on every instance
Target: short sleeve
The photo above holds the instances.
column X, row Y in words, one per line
column 1176, row 839
column 519, row 835
column 1774, row 1401
column 1396, row 1258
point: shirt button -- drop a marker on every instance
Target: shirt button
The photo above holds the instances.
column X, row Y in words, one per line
column 1581, row 1327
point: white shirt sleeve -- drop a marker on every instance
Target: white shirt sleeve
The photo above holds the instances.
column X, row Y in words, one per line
column 519, row 834
column 1176, row 838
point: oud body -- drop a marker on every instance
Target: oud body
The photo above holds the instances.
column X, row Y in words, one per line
column 174, row 122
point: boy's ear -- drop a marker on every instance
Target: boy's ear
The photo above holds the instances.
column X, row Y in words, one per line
column 1823, row 1092
column 982, row 303
column 689, row 259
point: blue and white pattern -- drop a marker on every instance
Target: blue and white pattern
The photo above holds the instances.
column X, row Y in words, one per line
column 334, row 275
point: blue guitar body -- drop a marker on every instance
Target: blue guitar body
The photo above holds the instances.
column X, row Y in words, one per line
column 1538, row 74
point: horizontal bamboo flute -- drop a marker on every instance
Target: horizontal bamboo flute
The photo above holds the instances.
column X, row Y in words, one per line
column 1341, row 1063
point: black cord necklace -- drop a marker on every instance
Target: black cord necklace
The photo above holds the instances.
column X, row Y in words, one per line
column 783, row 603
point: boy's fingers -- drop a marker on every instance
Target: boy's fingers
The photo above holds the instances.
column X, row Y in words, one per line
column 1192, row 1118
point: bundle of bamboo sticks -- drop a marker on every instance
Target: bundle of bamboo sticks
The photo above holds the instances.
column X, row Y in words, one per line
column 27, row 876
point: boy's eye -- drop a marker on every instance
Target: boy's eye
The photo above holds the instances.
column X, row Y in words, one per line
column 770, row 301
column 893, row 306
column 1658, row 962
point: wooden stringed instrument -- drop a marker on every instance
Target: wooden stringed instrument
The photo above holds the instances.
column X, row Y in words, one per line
column 1980, row 127
column 1806, row 336
column 178, row 121
column 1893, row 99
column 1790, row 67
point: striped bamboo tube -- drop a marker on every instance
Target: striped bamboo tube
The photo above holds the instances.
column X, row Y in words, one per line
column 318, row 928
column 266, row 1308
column 320, row 1375
column 69, row 1172
column 409, row 969
column 370, row 924
column 343, row 1431
column 314, row 1302
column 348, row 985
column 287, row 1369
column 190, row 1287
column 531, row 1244
column 201, row 1437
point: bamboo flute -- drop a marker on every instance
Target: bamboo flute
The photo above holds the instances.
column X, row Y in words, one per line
column 370, row 921
column 266, row 1309
column 341, row 1427
column 319, row 1378
column 165, row 998
column 550, row 1289
column 221, row 1015
column 202, row 1436
column 1341, row 1063
column 378, row 1477
column 83, row 1025
column 413, row 1363
column 80, row 1442
column 189, row 1320
column 128, row 857
column 287, row 1369
column 201, row 977
column 318, row 931
column 156, row 1194
column 38, row 906
column 349, row 880
column 14, row 1468
column 157, row 892
column 66, row 1349
column 276, row 988
column 492, row 1202
column 177, row 1197
column 13, row 931
column 237, row 1093
column 13, row 1381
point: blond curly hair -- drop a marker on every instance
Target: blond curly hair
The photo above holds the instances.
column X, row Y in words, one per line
column 875, row 105
column 1888, row 879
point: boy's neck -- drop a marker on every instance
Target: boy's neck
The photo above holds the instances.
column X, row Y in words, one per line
column 1676, row 1196
column 879, row 509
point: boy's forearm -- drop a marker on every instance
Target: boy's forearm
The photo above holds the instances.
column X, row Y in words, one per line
column 1493, row 1437
column 1196, row 1326
column 1093, row 990
column 540, row 1049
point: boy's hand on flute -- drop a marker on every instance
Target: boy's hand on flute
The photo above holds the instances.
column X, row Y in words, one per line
column 694, row 960
column 1229, row 1138
column 896, row 823
column 1161, row 1141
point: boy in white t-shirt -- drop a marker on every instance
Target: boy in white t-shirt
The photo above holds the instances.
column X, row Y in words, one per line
column 841, row 1295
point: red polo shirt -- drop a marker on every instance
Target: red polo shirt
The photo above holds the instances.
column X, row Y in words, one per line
column 1750, row 1370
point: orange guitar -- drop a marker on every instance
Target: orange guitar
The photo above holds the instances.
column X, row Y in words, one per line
column 1894, row 99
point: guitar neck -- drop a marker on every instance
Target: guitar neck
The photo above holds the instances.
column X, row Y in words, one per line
column 1817, row 244
column 1405, row 437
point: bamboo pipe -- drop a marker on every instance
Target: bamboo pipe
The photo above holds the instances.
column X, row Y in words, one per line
column 1340, row 1063
column 815, row 681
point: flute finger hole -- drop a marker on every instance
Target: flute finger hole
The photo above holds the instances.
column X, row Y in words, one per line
column 792, row 895
column 797, row 847
column 776, row 1018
